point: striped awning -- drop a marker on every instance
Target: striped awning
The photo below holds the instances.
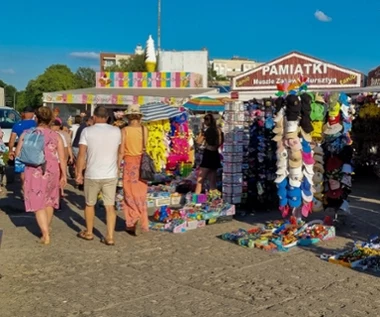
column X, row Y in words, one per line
column 158, row 111
column 204, row 104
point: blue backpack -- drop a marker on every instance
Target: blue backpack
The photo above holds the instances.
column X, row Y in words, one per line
column 32, row 151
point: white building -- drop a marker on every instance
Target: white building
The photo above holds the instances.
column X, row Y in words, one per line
column 233, row 67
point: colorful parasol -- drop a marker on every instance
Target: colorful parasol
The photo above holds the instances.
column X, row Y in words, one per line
column 158, row 111
column 204, row 104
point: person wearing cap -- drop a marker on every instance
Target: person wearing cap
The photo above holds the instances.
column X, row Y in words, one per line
column 18, row 129
column 99, row 146
column 135, row 190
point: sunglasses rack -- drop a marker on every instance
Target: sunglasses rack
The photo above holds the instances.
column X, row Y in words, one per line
column 233, row 152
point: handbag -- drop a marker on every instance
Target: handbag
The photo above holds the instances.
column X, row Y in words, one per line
column 147, row 169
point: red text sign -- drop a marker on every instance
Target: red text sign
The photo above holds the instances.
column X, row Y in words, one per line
column 290, row 67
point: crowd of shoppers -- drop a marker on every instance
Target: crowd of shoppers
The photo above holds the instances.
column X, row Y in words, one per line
column 97, row 149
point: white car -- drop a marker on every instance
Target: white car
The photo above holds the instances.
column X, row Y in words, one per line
column 8, row 117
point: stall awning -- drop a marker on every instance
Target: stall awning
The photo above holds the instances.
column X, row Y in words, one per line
column 122, row 96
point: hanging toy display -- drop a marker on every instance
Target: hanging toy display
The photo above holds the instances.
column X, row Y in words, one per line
column 157, row 146
column 317, row 115
column 261, row 155
column 338, row 151
column 179, row 143
column 294, row 157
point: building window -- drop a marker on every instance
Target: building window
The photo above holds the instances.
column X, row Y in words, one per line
column 109, row 63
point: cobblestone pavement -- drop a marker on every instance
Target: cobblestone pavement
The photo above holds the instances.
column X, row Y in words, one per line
column 191, row 274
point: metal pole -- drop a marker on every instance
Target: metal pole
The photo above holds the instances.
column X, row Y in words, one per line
column 14, row 101
column 159, row 26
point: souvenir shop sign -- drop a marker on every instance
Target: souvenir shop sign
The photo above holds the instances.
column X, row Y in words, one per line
column 373, row 78
column 148, row 80
column 290, row 67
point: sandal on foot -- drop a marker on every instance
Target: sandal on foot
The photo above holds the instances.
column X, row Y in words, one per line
column 107, row 241
column 85, row 236
column 44, row 241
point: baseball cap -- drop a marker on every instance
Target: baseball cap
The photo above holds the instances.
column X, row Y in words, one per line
column 28, row 109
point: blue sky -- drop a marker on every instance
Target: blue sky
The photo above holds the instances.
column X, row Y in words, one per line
column 36, row 34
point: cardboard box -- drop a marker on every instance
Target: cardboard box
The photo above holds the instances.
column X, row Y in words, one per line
column 176, row 199
column 159, row 202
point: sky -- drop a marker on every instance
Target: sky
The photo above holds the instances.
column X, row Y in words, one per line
column 36, row 34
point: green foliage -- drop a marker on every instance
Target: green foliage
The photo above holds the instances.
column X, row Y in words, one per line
column 55, row 78
column 86, row 77
column 21, row 101
column 136, row 63
column 10, row 93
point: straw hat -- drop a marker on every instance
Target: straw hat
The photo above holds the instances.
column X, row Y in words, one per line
column 133, row 109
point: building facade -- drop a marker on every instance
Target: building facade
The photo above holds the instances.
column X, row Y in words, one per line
column 373, row 78
column 232, row 67
column 112, row 59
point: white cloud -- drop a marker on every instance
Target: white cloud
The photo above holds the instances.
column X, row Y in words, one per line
column 321, row 16
column 85, row 55
column 8, row 71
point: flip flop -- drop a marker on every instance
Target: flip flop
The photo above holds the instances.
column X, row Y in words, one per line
column 85, row 235
column 107, row 242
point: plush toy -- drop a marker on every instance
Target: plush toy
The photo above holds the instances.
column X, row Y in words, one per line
column 157, row 143
column 179, row 145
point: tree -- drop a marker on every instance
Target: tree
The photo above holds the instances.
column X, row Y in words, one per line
column 86, row 77
column 55, row 78
column 21, row 101
column 10, row 93
column 136, row 63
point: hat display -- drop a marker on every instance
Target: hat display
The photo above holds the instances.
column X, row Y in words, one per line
column 319, row 98
column 347, row 169
column 292, row 135
column 334, row 110
column 334, row 120
column 307, row 195
column 291, row 126
column 309, row 168
column 338, row 152
column 318, row 158
column 296, row 107
column 317, row 205
column 260, row 126
column 332, row 129
column 318, row 178
column 308, row 158
column 294, row 144
column 294, row 196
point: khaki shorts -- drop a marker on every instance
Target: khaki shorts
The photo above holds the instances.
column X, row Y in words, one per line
column 92, row 188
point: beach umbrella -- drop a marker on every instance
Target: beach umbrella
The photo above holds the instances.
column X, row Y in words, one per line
column 204, row 104
column 155, row 111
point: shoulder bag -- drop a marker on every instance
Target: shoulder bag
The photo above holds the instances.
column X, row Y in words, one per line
column 147, row 169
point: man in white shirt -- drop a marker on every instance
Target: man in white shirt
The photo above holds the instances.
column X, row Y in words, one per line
column 100, row 143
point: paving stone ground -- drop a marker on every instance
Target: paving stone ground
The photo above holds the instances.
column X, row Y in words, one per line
column 190, row 274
